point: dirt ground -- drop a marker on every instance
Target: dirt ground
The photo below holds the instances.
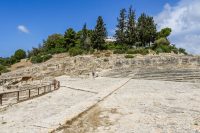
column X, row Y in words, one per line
column 47, row 112
column 143, row 106
column 119, row 105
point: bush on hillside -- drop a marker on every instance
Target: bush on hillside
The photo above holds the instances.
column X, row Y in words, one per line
column 166, row 49
column 12, row 60
column 119, row 51
column 162, row 41
column 75, row 51
column 131, row 51
column 183, row 51
column 20, row 54
column 40, row 58
column 57, row 50
column 141, row 51
column 3, row 69
column 36, row 59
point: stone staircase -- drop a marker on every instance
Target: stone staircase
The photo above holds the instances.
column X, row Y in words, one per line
column 176, row 75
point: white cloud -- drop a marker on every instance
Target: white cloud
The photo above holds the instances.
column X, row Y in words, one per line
column 184, row 19
column 23, row 29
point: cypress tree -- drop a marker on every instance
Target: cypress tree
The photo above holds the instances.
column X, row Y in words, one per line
column 131, row 33
column 120, row 32
column 141, row 29
column 70, row 38
column 84, row 36
column 152, row 31
column 146, row 29
column 99, row 34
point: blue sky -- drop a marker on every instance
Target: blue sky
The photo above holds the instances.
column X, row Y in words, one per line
column 25, row 23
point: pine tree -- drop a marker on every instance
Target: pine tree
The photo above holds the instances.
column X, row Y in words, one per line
column 146, row 29
column 99, row 34
column 84, row 36
column 70, row 38
column 152, row 31
column 121, row 27
column 131, row 33
column 141, row 28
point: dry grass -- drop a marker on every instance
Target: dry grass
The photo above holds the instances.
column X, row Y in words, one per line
column 89, row 121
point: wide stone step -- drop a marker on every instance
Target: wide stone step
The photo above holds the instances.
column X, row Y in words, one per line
column 166, row 76
column 175, row 79
column 169, row 72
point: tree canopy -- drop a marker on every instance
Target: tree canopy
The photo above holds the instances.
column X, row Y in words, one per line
column 99, row 34
column 120, row 32
column 20, row 54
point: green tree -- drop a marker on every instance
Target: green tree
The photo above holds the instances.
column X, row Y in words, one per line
column 70, row 38
column 3, row 61
column 164, row 33
column 99, row 34
column 20, row 54
column 84, row 33
column 85, row 38
column 131, row 33
column 54, row 41
column 120, row 32
column 146, row 29
column 34, row 52
column 162, row 41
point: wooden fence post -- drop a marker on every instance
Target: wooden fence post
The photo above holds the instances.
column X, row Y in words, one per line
column 54, row 84
column 1, row 101
column 38, row 91
column 17, row 96
column 29, row 93
column 58, row 84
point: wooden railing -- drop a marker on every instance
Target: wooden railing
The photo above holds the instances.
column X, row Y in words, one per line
column 26, row 94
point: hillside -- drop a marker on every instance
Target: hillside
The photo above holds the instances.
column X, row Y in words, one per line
column 83, row 65
column 146, row 90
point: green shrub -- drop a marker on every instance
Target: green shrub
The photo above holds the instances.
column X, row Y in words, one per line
column 166, row 49
column 46, row 57
column 162, row 41
column 3, row 69
column 131, row 51
column 183, row 51
column 121, row 46
column 119, row 51
column 57, row 50
column 91, row 51
column 20, row 54
column 141, row 51
column 158, row 50
column 13, row 60
column 40, row 58
column 110, row 46
column 129, row 56
column 36, row 59
column 175, row 51
column 75, row 51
